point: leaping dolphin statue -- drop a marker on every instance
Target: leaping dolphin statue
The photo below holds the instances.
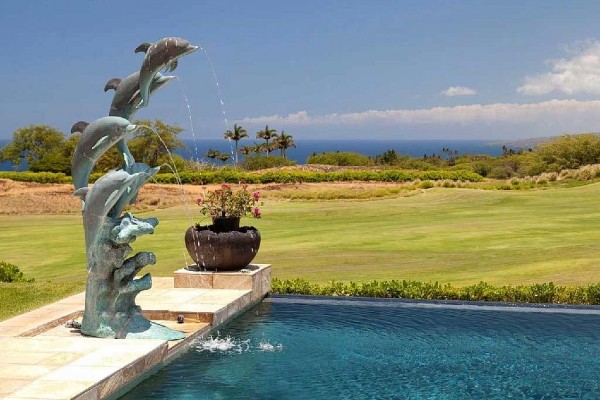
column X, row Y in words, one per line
column 127, row 99
column 127, row 93
column 160, row 55
column 138, row 180
column 98, row 200
column 96, row 139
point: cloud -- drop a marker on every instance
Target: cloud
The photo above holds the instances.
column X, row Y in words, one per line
column 576, row 75
column 459, row 91
column 558, row 112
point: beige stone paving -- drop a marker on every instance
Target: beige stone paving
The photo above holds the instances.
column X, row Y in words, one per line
column 42, row 359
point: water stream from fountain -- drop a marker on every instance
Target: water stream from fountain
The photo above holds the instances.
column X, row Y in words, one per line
column 189, row 110
column 185, row 198
column 212, row 67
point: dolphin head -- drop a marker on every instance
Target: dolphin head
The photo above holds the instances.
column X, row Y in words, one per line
column 131, row 128
column 181, row 46
column 162, row 55
column 120, row 126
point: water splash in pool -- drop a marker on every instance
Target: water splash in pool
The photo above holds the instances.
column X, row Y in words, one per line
column 229, row 345
column 266, row 346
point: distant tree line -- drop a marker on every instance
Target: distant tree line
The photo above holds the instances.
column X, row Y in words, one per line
column 564, row 152
column 44, row 148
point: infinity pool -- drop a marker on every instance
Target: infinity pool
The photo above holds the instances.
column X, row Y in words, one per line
column 315, row 348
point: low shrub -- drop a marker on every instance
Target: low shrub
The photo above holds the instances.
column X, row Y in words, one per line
column 426, row 184
column 342, row 159
column 257, row 161
column 482, row 291
column 10, row 273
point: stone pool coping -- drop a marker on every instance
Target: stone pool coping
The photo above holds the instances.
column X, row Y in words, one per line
column 42, row 359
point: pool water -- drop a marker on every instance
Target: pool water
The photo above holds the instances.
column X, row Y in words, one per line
column 306, row 348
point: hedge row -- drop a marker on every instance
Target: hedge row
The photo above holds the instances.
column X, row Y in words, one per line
column 233, row 176
column 39, row 177
column 535, row 293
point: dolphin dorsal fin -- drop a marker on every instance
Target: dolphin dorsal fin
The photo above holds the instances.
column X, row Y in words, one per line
column 142, row 48
column 79, row 126
column 112, row 84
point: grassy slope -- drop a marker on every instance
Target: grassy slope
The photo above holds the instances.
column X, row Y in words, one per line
column 449, row 235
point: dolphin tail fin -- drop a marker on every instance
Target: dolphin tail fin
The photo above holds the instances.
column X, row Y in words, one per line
column 82, row 192
column 142, row 48
column 79, row 126
column 112, row 84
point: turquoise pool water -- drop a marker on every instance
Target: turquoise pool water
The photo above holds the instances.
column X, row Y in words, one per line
column 306, row 348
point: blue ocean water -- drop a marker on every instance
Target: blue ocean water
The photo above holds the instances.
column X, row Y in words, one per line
column 304, row 148
column 294, row 348
column 5, row 166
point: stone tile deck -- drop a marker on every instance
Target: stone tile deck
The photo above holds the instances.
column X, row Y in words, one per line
column 41, row 359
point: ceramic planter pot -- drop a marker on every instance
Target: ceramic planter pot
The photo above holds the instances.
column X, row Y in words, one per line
column 222, row 251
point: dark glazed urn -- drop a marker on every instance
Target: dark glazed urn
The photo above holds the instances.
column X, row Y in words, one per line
column 222, row 251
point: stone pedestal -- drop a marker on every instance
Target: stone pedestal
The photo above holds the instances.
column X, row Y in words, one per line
column 255, row 277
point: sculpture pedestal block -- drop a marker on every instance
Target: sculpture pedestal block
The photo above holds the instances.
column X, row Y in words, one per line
column 255, row 277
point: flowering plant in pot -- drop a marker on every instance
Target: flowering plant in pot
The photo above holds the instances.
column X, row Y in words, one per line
column 224, row 245
column 227, row 206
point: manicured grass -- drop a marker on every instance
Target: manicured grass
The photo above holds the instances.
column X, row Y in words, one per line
column 19, row 297
column 461, row 236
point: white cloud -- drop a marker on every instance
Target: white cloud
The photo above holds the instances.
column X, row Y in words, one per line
column 558, row 112
column 575, row 75
column 459, row 91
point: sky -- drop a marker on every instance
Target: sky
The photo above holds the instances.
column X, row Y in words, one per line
column 317, row 69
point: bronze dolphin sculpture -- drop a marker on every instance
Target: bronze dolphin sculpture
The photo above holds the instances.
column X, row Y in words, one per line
column 98, row 200
column 96, row 139
column 127, row 99
column 160, row 55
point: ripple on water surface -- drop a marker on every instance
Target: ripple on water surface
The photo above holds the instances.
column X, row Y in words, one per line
column 283, row 349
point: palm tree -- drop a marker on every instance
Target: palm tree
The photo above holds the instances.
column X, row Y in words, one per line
column 212, row 154
column 238, row 134
column 246, row 150
column 284, row 142
column 266, row 134
column 224, row 157
column 257, row 148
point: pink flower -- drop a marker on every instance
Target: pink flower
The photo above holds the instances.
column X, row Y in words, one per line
column 256, row 212
column 199, row 200
column 256, row 196
column 225, row 186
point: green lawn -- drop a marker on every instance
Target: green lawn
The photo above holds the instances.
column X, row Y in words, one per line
column 461, row 236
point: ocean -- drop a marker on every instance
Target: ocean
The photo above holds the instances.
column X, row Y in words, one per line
column 304, row 148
